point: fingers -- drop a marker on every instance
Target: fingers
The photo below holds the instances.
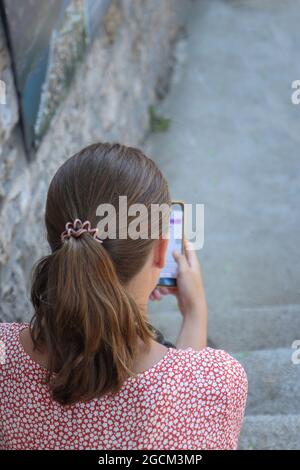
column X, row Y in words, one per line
column 167, row 291
column 181, row 261
column 157, row 294
column 190, row 254
column 164, row 290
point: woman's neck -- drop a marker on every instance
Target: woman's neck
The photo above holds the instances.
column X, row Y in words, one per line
column 139, row 291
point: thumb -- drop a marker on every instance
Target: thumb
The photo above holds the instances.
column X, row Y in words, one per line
column 181, row 261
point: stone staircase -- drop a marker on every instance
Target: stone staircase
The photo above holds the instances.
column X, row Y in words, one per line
column 267, row 432
column 235, row 148
column 273, row 408
column 260, row 338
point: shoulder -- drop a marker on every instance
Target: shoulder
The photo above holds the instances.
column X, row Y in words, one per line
column 210, row 358
column 8, row 330
column 213, row 366
column 9, row 341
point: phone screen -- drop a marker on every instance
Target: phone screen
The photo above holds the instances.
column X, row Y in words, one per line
column 168, row 274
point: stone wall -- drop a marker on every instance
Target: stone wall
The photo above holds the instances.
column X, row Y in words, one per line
column 120, row 76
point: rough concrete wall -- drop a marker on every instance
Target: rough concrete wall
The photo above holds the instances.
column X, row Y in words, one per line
column 108, row 100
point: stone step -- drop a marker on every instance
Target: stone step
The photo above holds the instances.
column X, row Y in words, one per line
column 240, row 329
column 265, row 432
column 244, row 329
column 274, row 382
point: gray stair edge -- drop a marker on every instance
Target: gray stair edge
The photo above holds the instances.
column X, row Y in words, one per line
column 266, row 432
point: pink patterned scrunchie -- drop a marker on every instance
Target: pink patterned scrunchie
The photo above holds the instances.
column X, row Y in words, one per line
column 77, row 228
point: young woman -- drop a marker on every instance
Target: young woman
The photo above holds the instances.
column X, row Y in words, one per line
column 87, row 372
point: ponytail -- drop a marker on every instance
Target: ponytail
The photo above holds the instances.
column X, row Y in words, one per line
column 86, row 321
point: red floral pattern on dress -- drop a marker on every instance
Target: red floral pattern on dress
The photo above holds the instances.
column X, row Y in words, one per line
column 189, row 400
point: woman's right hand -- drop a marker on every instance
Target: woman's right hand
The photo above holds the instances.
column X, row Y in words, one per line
column 190, row 290
column 191, row 299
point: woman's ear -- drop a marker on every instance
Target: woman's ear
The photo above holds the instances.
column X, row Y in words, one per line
column 160, row 252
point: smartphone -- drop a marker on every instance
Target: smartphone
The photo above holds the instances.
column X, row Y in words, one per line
column 168, row 275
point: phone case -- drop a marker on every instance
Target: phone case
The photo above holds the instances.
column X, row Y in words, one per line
column 181, row 203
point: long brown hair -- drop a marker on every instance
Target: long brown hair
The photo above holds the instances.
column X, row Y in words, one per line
column 83, row 316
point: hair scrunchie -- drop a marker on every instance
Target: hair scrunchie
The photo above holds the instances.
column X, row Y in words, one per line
column 77, row 228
